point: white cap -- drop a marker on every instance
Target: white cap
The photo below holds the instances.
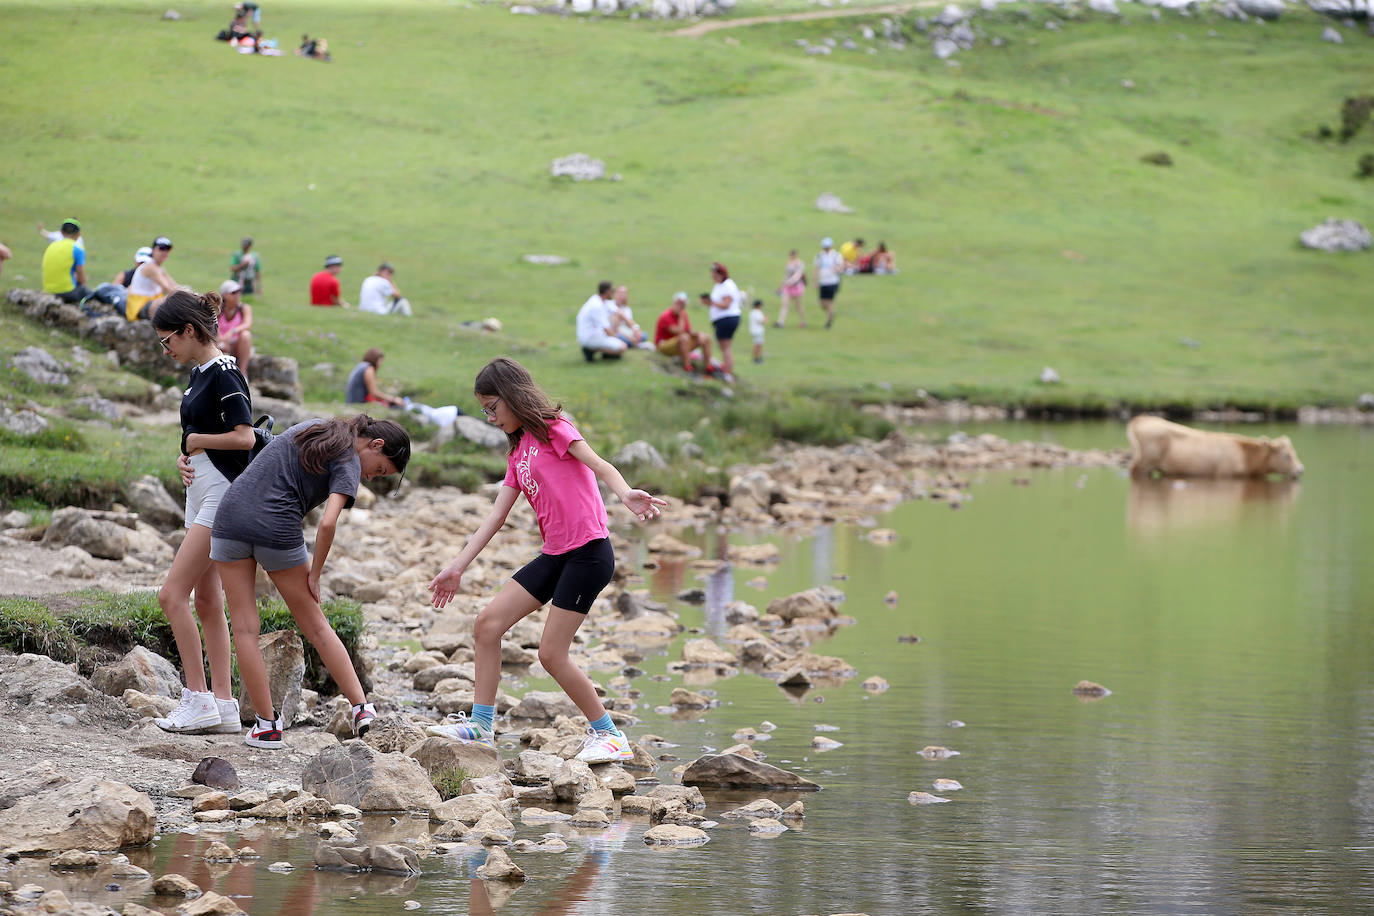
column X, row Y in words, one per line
column 229, row 286
column 143, row 255
column 680, row 294
column 827, row 242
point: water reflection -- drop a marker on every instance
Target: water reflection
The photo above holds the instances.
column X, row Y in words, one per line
column 1158, row 507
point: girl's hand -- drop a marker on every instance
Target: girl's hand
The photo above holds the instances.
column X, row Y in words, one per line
column 446, row 585
column 184, row 468
column 642, row 504
column 312, row 582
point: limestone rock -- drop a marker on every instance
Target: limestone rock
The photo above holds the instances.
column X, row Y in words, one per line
column 392, row 734
column 499, row 867
column 537, row 765
column 174, row 885
column 1090, row 689
column 666, row 543
column 38, row 778
column 219, row 852
column 90, row 814
column 427, row 679
column 395, row 858
column 762, row 807
column 682, row 698
column 675, row 835
column 639, row 452
column 440, row 755
column 480, row 432
column 578, row 166
column 97, row 536
column 154, row 505
column 354, row 774
column 706, row 652
column 344, row 858
column 75, row 858
column 767, row 825
column 732, row 771
column 1337, row 235
column 925, row 798
column 831, row 203
column 572, row 780
column 142, row 670
column 284, row 655
column 144, row 705
column 276, row 377
column 210, row 801
column 465, row 809
column 210, row 904
column 544, row 704
column 809, row 603
column 40, row 365
column 689, row 797
column 22, row 422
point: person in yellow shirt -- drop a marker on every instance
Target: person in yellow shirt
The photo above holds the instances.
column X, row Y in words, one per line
column 852, row 252
column 64, row 265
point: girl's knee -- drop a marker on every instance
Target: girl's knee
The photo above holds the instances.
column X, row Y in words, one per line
column 487, row 628
column 551, row 657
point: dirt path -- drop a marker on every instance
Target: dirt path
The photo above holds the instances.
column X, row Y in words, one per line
column 701, row 28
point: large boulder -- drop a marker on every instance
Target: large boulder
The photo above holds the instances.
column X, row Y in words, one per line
column 97, row 536
column 284, row 655
column 93, row 813
column 142, row 670
column 480, row 432
column 392, row 734
column 809, row 603
column 40, row 365
column 22, row 422
column 150, row 499
column 39, row 682
column 135, row 342
column 276, row 377
column 544, row 704
column 354, row 774
column 1337, row 235
column 731, row 771
column 444, row 755
column 1262, row 9
column 38, row 778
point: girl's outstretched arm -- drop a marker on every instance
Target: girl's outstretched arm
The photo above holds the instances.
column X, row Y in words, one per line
column 445, row 585
column 643, row 505
column 324, row 539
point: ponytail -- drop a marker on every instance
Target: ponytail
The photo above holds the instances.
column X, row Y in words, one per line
column 186, row 307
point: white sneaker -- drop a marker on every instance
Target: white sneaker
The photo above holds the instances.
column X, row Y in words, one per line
column 196, row 712
column 229, row 721
column 607, row 747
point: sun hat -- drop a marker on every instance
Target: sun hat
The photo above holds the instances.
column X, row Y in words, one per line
column 333, row 261
column 143, row 255
column 229, row 286
column 827, row 242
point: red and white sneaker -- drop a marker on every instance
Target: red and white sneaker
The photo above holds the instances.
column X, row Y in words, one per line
column 363, row 717
column 265, row 735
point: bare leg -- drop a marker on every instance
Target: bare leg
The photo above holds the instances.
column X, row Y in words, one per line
column 511, row 605
column 242, row 351
column 210, row 610
column 684, row 350
column 782, row 312
column 727, row 356
column 704, row 341
column 239, row 578
column 189, row 568
column 309, row 617
column 828, row 305
column 553, row 655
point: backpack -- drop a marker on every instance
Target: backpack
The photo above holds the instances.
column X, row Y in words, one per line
column 262, row 430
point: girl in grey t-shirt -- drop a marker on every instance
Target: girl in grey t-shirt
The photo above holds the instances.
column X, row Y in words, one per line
column 259, row 524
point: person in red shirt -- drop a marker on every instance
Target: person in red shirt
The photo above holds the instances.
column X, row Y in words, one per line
column 324, row 286
column 673, row 335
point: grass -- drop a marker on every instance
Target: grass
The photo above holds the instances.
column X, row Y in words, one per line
column 449, row 783
column 1009, row 183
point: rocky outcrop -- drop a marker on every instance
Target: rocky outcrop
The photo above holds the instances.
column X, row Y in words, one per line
column 354, row 774
column 443, row 755
column 731, row 771
column 154, row 505
column 276, row 377
column 142, row 670
column 90, row 814
column 98, row 536
column 284, row 655
column 1337, row 235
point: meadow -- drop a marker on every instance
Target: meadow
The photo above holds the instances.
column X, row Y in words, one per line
column 1028, row 230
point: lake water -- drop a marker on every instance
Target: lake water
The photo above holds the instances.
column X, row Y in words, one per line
column 1231, row 770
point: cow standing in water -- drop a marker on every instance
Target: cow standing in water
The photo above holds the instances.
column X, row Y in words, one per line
column 1179, row 451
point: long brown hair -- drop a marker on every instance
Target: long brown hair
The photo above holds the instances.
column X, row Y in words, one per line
column 506, row 379
column 321, row 443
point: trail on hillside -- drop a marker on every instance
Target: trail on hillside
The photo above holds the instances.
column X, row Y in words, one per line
column 701, row 28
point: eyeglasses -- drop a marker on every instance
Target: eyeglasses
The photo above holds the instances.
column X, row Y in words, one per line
column 491, row 411
column 163, row 341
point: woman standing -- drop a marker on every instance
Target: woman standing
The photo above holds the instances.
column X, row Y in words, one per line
column 725, row 315
column 793, row 288
column 216, row 439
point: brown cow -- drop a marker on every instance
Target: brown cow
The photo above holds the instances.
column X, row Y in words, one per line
column 1178, row 451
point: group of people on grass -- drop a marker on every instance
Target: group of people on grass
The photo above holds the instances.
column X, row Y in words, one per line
column 244, row 35
column 830, row 265
column 246, row 504
column 378, row 293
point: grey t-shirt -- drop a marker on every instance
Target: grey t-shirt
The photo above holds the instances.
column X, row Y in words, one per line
column 267, row 503
column 355, row 390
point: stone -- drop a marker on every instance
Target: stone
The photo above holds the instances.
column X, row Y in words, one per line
column 395, row 858
column 16, row 519
column 219, row 852
column 174, row 885
column 732, row 771
column 1332, row 35
column 615, row 778
column 344, row 858
column 465, row 809
column 875, row 684
column 758, row 554
column 752, row 491
column 98, row 537
column 937, row 752
column 480, row 432
column 210, row 801
column 572, row 780
column 497, row 785
column 578, row 166
column 392, row 734
column 675, row 835
column 134, row 909
column 947, row 785
column 38, row 778
column 809, row 603
column 247, row 799
column 1048, row 376
column 92, row 813
column 441, row 755
column 1262, row 9
column 284, row 655
column 22, row 422
column 354, row 774
column 925, row 798
column 427, row 679
column 41, row 366
column 142, row 670
column 639, row 452
column 54, row 901
column 666, row 543
column 219, row 816
column 1090, row 689
column 828, row 202
column 767, row 825
column 544, row 260
column 536, row 765
column 689, row 797
column 1365, row 401
column 590, row 819
column 706, row 652
column 762, row 807
column 276, row 377
column 274, row 809
column 144, row 705
column 1337, row 235
column 210, row 904
column 217, row 773
column 154, row 505
column 544, row 704
column 75, row 858
column 500, row 867
column 682, row 698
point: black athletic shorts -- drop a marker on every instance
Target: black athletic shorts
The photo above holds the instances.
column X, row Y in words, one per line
column 573, row 579
column 726, row 327
column 828, row 290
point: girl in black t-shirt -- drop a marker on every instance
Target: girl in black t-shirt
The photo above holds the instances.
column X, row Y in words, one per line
column 216, row 442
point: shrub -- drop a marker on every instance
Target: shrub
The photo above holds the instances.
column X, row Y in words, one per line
column 449, row 783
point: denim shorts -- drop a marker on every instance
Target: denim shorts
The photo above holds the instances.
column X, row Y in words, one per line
column 272, row 559
column 573, row 580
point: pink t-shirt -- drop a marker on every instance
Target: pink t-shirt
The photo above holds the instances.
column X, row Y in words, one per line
column 561, row 489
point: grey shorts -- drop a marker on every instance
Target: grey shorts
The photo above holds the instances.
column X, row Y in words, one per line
column 272, row 559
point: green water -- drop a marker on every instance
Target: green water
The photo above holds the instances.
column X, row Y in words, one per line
column 1231, row 770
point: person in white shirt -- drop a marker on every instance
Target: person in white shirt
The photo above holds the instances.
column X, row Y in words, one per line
column 380, row 296
column 725, row 313
column 597, row 323
column 757, row 322
column 829, row 266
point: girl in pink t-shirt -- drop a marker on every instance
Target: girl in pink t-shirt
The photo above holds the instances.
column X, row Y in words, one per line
column 557, row 470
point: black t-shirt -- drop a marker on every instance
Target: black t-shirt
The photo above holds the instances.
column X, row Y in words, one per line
column 217, row 401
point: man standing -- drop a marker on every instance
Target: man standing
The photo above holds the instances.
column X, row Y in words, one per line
column 324, row 286
column 829, row 266
column 64, row 265
column 245, row 268
column 673, row 335
column 596, row 326
column 379, row 294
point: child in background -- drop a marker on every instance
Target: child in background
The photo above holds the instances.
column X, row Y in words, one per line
column 757, row 322
column 259, row 523
column 557, row 471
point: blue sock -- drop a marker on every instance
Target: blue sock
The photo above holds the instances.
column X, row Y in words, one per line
column 605, row 725
column 484, row 716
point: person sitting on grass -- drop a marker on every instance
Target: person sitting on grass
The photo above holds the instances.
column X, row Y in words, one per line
column 235, row 319
column 624, row 319
column 597, row 322
column 314, row 48
column 64, row 265
column 853, row 253
column 379, row 294
column 881, row 261
column 673, row 336
column 361, row 387
column 151, row 283
column 324, row 286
